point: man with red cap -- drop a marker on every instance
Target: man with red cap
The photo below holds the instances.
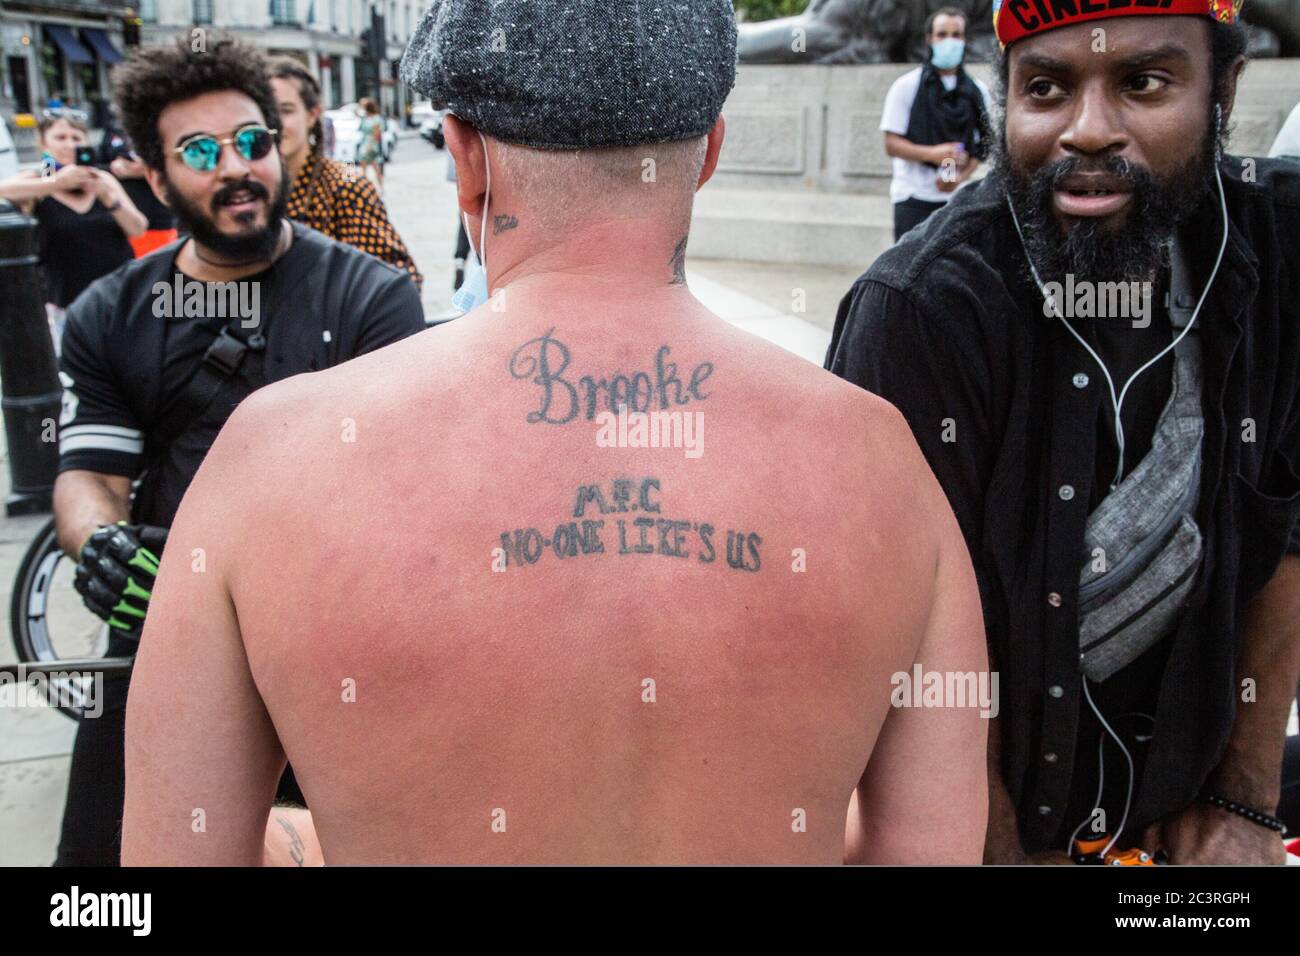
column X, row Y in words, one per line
column 1097, row 350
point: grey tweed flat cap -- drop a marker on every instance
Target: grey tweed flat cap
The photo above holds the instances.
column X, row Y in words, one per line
column 577, row 74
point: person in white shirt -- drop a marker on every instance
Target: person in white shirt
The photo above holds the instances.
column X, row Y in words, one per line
column 935, row 123
column 1287, row 144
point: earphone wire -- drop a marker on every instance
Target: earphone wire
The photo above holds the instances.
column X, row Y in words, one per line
column 1128, row 796
column 1117, row 400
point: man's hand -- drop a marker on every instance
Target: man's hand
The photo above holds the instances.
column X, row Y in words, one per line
column 1204, row 834
column 73, row 178
column 115, row 573
column 127, row 167
column 107, row 188
column 1002, row 845
column 940, row 152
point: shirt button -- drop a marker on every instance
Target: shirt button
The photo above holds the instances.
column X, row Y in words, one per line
column 1045, row 810
column 1050, row 757
column 1056, row 691
column 1080, row 380
column 1066, row 492
column 1054, row 599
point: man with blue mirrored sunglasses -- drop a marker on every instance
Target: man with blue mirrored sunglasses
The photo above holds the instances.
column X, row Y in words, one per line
column 158, row 353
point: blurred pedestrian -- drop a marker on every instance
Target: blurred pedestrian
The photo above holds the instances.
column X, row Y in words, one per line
column 370, row 149
column 326, row 194
column 935, row 123
column 117, row 155
column 85, row 216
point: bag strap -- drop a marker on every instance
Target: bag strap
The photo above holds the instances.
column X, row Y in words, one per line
column 225, row 355
column 219, row 364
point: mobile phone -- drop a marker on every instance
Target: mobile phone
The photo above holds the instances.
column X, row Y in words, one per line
column 85, row 156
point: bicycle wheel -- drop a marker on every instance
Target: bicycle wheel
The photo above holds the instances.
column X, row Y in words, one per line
column 49, row 622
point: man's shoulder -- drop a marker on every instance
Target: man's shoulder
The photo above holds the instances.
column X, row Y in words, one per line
column 906, row 84
column 358, row 271
column 1258, row 179
column 959, row 254
column 118, row 296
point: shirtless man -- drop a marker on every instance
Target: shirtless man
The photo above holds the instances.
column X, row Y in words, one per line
column 535, row 641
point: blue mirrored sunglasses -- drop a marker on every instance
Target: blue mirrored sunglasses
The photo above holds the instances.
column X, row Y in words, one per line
column 202, row 151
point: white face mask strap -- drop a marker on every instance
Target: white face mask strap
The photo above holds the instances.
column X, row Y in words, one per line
column 1117, row 400
column 481, row 251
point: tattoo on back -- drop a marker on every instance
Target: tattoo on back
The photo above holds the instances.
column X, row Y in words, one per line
column 544, row 360
column 625, row 534
column 297, row 849
column 678, row 263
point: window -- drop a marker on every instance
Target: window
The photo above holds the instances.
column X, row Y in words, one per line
column 334, row 15
column 149, row 11
column 282, row 11
column 202, row 10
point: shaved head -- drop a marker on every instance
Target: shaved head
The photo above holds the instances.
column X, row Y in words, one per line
column 564, row 187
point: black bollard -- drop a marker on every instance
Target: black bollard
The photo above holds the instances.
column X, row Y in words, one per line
column 29, row 381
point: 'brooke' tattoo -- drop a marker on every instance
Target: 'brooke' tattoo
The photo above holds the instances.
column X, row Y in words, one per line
column 544, row 360
column 503, row 223
column 678, row 263
column 666, row 537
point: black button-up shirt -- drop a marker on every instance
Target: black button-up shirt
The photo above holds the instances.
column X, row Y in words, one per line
column 949, row 327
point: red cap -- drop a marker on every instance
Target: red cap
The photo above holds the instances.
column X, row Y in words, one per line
column 1014, row 19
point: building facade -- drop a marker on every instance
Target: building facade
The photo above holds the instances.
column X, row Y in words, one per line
column 58, row 49
column 65, row 49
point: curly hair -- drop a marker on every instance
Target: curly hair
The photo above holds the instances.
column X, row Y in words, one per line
column 155, row 77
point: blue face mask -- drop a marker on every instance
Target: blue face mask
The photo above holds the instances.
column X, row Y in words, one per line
column 947, row 53
column 473, row 292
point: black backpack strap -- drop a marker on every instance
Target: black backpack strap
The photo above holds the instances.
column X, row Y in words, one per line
column 226, row 354
column 219, row 364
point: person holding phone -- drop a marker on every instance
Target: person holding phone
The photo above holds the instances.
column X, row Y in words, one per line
column 86, row 218
column 117, row 154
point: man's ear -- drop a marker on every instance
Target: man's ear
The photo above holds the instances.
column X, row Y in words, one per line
column 154, row 177
column 467, row 153
column 1228, row 95
column 712, row 150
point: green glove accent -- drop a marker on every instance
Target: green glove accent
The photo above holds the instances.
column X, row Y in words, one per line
column 134, row 590
column 123, row 608
column 145, row 560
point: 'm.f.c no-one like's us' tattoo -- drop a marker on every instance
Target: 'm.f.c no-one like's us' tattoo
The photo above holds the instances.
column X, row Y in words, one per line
column 586, row 534
column 545, row 359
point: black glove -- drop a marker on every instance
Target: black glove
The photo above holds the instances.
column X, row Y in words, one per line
column 116, row 571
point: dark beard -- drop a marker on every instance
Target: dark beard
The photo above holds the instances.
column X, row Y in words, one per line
column 1088, row 250
column 260, row 244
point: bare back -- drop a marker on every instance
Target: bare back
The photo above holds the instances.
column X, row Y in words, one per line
column 489, row 627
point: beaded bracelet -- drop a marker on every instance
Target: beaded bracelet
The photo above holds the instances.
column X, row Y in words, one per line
column 1254, row 816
